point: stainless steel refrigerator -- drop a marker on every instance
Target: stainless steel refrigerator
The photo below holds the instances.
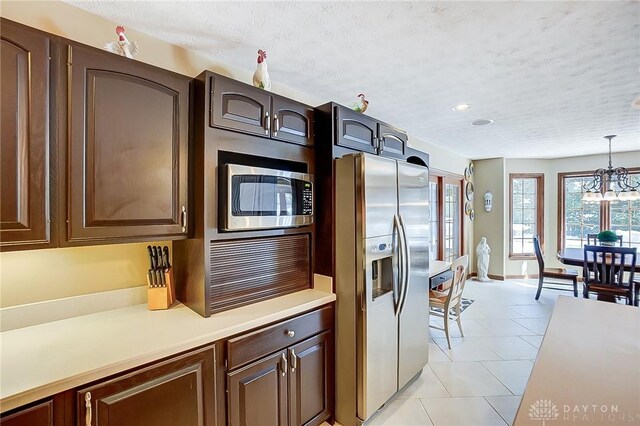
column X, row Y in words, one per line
column 382, row 281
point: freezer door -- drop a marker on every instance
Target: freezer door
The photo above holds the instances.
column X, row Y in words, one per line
column 377, row 351
column 379, row 192
column 413, row 329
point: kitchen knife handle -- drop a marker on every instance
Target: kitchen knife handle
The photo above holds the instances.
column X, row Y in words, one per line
column 184, row 219
column 87, row 404
column 166, row 255
column 294, row 361
column 283, row 365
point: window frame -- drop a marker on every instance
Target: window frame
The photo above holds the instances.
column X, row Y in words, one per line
column 605, row 220
column 442, row 178
column 539, row 177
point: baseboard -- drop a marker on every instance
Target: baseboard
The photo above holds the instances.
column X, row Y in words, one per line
column 533, row 276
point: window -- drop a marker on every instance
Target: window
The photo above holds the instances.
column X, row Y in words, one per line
column 526, row 213
column 624, row 218
column 577, row 218
column 445, row 197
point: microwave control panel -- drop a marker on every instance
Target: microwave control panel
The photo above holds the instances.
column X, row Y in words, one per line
column 307, row 199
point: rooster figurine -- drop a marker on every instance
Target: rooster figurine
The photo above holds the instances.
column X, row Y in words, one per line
column 122, row 47
column 361, row 104
column 261, row 77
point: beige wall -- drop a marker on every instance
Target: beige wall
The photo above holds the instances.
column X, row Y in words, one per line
column 34, row 276
column 490, row 176
column 550, row 168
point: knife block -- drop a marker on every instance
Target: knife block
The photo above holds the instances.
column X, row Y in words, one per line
column 161, row 297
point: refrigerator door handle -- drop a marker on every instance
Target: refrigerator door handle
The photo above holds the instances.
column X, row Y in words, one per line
column 397, row 254
column 405, row 265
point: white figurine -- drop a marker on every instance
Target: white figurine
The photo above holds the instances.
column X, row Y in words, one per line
column 122, row 47
column 482, row 252
column 261, row 77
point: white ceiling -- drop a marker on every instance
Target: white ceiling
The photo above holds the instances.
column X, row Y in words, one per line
column 555, row 76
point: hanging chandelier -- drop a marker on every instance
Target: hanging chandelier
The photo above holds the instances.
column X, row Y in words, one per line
column 615, row 182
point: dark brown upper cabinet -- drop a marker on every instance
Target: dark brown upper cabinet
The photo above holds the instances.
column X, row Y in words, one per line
column 127, row 148
column 25, row 186
column 391, row 141
column 292, row 121
column 178, row 391
column 355, row 130
column 359, row 132
column 240, row 107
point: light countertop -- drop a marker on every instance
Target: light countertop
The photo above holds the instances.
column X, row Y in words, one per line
column 48, row 358
column 587, row 370
column 438, row 266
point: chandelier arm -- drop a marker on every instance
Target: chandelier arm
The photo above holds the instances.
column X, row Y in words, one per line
column 623, row 179
column 596, row 184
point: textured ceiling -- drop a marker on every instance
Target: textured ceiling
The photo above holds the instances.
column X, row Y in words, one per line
column 555, row 76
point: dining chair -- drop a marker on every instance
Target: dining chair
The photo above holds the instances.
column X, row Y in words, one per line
column 441, row 303
column 555, row 273
column 605, row 271
column 592, row 240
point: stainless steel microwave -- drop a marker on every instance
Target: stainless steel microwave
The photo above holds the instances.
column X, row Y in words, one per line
column 259, row 198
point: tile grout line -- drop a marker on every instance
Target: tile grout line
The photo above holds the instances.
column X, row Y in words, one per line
column 440, row 381
column 426, row 412
column 494, row 409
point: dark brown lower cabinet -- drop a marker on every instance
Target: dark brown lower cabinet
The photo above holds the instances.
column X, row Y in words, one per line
column 38, row 415
column 258, row 393
column 311, row 380
column 292, row 387
column 179, row 391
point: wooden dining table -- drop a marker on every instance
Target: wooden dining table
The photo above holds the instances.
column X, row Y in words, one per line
column 575, row 257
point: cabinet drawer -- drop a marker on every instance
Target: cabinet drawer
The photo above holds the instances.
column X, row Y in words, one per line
column 440, row 279
column 250, row 347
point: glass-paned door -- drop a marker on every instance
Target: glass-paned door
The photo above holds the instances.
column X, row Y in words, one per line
column 434, row 223
column 452, row 218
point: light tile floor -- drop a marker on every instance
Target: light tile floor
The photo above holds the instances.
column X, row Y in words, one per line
column 480, row 380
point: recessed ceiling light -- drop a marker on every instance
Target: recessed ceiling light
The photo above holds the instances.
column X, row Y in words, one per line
column 461, row 107
column 482, row 122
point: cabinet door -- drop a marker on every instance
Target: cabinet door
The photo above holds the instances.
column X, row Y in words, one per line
column 355, row 130
column 237, row 106
column 128, row 148
column 38, row 415
column 292, row 121
column 258, row 393
column 24, row 149
column 179, row 391
column 392, row 141
column 311, row 380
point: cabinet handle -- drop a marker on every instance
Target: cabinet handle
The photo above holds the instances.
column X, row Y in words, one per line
column 267, row 123
column 294, row 361
column 276, row 124
column 283, row 366
column 87, row 404
column 381, row 144
column 291, row 333
column 184, row 219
